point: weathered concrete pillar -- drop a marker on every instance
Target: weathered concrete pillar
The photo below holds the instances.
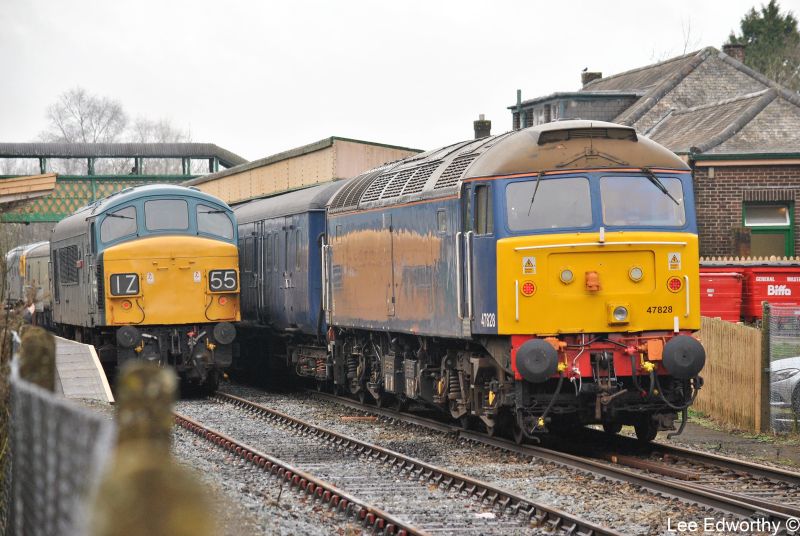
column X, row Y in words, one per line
column 144, row 490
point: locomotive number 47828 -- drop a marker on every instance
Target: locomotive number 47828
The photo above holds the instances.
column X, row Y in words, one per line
column 659, row 309
column 488, row 320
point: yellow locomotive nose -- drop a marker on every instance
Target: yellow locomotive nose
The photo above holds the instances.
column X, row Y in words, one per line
column 173, row 284
column 626, row 283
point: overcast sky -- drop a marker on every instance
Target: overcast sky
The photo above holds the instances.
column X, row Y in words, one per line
column 260, row 77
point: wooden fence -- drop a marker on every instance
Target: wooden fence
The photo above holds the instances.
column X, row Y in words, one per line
column 732, row 394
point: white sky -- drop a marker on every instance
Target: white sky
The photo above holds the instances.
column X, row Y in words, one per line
column 260, row 77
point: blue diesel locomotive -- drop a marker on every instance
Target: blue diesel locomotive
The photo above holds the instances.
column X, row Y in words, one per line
column 540, row 278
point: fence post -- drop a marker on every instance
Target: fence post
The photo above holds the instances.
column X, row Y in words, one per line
column 144, row 491
column 37, row 358
column 764, row 361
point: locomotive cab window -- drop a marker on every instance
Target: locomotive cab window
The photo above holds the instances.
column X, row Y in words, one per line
column 118, row 224
column 555, row 204
column 214, row 221
column 484, row 214
column 639, row 200
column 166, row 215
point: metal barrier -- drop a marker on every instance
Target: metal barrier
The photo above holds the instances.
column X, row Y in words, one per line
column 58, row 452
column 782, row 331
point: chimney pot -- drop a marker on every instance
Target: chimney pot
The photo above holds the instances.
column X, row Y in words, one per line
column 735, row 51
column 587, row 77
column 483, row 127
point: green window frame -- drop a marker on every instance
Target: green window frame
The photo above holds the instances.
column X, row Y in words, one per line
column 753, row 218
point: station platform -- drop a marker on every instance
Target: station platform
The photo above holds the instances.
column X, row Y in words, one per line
column 79, row 373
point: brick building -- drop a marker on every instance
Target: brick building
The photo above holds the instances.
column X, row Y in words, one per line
column 738, row 130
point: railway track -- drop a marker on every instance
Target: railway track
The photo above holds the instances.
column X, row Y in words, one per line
column 765, row 486
column 388, row 491
column 750, row 490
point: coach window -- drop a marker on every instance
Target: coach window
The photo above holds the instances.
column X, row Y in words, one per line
column 118, row 224
column 441, row 220
column 298, row 239
column 484, row 223
column 215, row 221
column 166, row 215
column 770, row 228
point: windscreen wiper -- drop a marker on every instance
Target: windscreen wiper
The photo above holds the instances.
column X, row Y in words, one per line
column 535, row 189
column 112, row 215
column 658, row 184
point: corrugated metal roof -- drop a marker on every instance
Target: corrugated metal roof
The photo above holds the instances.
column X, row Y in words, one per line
column 120, row 150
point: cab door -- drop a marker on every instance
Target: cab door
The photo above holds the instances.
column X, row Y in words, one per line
column 477, row 260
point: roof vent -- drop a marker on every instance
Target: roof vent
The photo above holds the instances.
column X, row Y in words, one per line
column 617, row 133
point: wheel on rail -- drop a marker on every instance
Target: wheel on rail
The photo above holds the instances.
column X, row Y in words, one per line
column 362, row 396
column 612, row 428
column 646, row 430
column 383, row 400
column 210, row 386
column 517, row 433
column 465, row 422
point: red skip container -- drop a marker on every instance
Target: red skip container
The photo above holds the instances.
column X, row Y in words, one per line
column 721, row 292
column 773, row 284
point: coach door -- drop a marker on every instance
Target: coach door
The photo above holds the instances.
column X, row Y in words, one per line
column 291, row 260
column 254, row 259
column 90, row 274
column 464, row 304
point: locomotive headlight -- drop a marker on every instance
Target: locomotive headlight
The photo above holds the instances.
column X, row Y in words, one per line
column 618, row 313
column 636, row 274
column 566, row 276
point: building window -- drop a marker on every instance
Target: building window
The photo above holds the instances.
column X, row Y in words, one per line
column 770, row 228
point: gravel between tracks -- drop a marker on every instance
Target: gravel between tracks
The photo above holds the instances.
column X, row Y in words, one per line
column 621, row 506
column 419, row 503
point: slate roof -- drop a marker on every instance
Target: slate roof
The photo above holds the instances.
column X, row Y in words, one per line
column 708, row 103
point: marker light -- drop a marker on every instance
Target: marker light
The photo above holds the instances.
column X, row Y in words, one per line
column 620, row 313
column 528, row 288
column 674, row 284
column 222, row 300
column 126, row 305
column 566, row 276
column 636, row 274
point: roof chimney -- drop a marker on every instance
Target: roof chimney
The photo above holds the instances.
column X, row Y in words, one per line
column 734, row 50
column 483, row 127
column 588, row 77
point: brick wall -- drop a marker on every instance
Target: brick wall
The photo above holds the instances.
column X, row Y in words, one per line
column 720, row 199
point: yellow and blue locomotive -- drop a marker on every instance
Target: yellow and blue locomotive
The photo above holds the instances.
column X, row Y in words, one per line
column 541, row 278
column 152, row 273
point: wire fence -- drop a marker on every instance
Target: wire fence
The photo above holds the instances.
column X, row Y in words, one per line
column 782, row 326
column 58, row 451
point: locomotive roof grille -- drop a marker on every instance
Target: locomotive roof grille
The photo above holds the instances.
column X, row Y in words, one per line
column 397, row 184
column 454, row 171
column 375, row 189
column 417, row 182
column 552, row 136
column 348, row 197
